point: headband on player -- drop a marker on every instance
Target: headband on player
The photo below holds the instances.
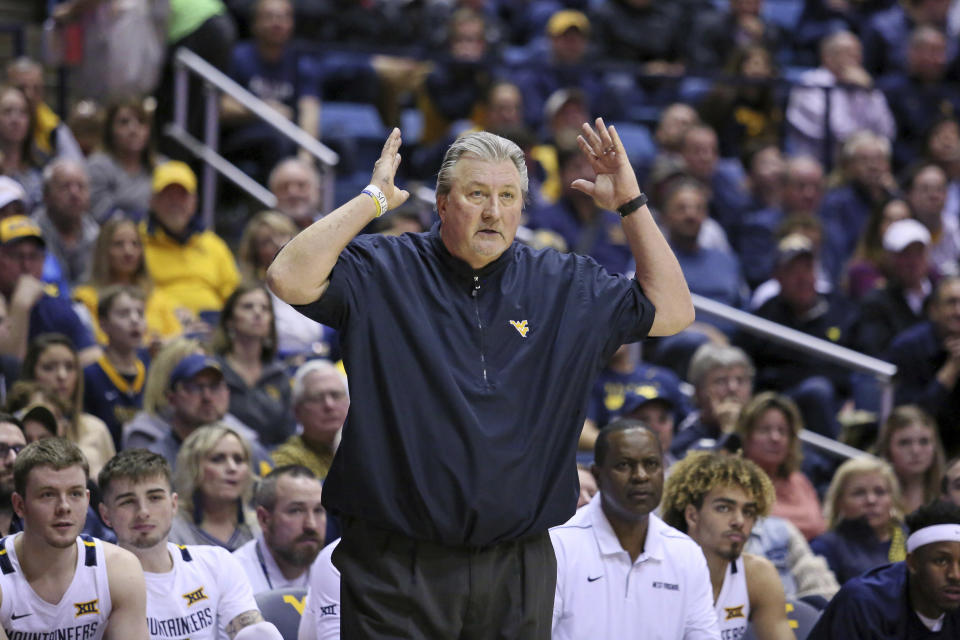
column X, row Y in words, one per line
column 934, row 533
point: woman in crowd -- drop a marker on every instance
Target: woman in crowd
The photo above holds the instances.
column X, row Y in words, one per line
column 910, row 443
column 298, row 337
column 121, row 173
column 41, row 411
column 769, row 428
column 52, row 361
column 262, row 238
column 866, row 270
column 246, row 345
column 747, row 113
column 865, row 515
column 19, row 157
column 118, row 259
column 214, row 481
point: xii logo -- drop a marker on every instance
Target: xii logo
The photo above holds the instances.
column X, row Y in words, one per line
column 734, row 612
column 85, row 608
column 195, row 596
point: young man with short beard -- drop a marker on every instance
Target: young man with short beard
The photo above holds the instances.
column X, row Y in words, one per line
column 198, row 592
column 716, row 499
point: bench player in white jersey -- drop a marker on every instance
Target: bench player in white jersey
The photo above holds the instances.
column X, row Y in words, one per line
column 716, row 499
column 195, row 592
column 55, row 583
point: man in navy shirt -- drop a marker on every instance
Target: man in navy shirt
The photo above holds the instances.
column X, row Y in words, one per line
column 473, row 356
column 272, row 69
column 916, row 598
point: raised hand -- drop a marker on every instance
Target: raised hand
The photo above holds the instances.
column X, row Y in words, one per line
column 616, row 182
column 385, row 169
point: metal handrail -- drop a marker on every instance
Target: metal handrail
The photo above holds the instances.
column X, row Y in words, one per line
column 881, row 370
column 829, row 444
column 215, row 81
column 261, row 109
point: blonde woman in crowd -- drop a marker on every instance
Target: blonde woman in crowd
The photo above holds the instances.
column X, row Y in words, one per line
column 264, row 235
column 214, row 480
column 909, row 441
column 298, row 337
column 118, row 259
column 864, row 513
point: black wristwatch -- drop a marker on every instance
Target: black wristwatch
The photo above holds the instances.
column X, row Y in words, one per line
column 627, row 208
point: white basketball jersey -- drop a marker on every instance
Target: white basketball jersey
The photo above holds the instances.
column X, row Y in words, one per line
column 82, row 612
column 733, row 603
column 206, row 589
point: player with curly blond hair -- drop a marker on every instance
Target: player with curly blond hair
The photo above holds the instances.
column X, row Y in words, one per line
column 716, row 499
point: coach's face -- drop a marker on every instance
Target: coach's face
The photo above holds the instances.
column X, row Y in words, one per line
column 481, row 213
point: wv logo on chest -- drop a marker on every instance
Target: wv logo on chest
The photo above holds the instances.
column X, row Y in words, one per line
column 520, row 326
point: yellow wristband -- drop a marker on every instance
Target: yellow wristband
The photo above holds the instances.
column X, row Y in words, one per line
column 374, row 192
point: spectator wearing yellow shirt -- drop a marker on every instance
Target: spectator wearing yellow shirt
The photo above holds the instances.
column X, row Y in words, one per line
column 191, row 265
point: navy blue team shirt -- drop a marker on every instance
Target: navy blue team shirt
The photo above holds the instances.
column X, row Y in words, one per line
column 876, row 606
column 468, row 387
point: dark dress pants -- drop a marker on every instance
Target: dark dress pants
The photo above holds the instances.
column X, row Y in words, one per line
column 392, row 586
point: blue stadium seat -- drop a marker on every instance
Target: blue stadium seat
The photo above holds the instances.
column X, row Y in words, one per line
column 637, row 141
column 283, row 608
column 355, row 131
column 351, row 119
column 785, row 13
column 802, row 617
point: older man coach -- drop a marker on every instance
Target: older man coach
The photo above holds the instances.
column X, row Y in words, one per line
column 470, row 359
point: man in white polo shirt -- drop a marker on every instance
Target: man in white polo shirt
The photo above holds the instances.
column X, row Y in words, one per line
column 619, row 567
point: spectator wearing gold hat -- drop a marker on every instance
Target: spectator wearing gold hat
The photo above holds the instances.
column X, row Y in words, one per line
column 13, row 202
column 557, row 62
column 191, row 265
column 34, row 307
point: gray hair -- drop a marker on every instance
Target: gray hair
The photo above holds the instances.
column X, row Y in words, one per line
column 711, row 356
column 860, row 139
column 314, row 366
column 292, row 162
column 58, row 163
column 23, row 64
column 483, row 146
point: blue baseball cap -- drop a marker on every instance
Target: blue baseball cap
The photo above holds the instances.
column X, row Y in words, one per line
column 644, row 394
column 192, row 365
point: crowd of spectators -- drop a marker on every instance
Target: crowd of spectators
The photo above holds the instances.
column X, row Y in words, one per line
column 804, row 167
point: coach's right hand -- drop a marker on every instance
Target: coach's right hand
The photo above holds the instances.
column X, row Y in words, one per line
column 385, row 169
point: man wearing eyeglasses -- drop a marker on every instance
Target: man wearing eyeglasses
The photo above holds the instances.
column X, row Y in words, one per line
column 320, row 402
column 12, row 441
column 197, row 395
